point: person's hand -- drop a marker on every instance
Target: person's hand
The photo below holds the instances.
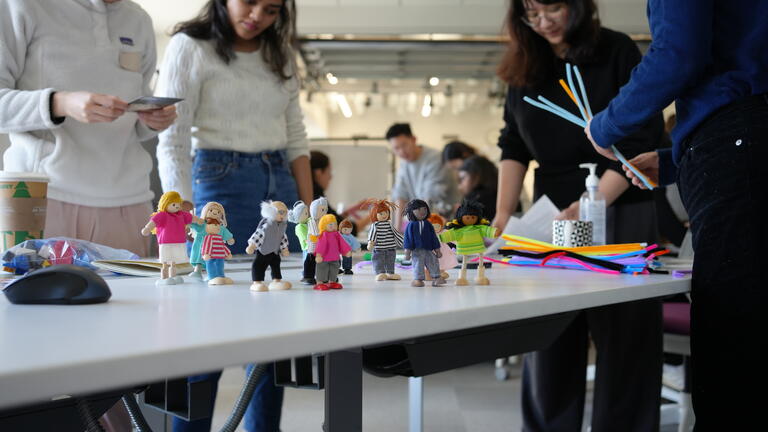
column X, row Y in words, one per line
column 370, row 245
column 146, row 231
column 603, row 151
column 207, row 257
column 438, row 253
column 318, row 258
column 250, row 249
column 569, row 213
column 87, row 107
column 407, row 255
column 285, row 252
column 231, row 241
column 158, row 119
column 500, row 222
column 648, row 164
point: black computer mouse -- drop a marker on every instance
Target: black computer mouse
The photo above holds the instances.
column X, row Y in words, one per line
column 59, row 284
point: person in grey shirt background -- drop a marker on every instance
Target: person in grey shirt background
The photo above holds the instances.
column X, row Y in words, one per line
column 421, row 174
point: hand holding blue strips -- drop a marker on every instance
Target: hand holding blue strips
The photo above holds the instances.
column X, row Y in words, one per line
column 582, row 102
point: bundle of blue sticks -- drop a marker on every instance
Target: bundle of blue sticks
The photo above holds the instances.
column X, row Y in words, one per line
column 582, row 102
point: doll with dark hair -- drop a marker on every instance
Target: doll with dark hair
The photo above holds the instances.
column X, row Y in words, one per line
column 383, row 239
column 421, row 243
column 468, row 230
column 345, row 228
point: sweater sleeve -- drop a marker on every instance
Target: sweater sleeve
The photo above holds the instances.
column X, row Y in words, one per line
column 296, row 132
column 20, row 110
column 180, row 76
column 511, row 143
column 680, row 51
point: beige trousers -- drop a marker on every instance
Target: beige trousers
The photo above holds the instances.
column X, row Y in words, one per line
column 117, row 227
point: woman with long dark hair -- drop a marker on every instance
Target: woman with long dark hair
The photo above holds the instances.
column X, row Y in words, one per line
column 240, row 138
column 545, row 35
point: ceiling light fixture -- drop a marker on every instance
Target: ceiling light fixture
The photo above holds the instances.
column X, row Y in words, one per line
column 331, row 78
column 426, row 110
column 341, row 100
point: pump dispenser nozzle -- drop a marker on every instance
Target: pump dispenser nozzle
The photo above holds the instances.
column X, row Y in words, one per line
column 592, row 180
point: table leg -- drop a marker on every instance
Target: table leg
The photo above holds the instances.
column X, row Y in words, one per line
column 415, row 404
column 344, row 391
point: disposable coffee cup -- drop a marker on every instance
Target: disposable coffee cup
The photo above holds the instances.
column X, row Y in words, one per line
column 22, row 207
column 571, row 233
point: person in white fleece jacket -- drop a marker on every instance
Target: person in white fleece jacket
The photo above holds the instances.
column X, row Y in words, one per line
column 67, row 68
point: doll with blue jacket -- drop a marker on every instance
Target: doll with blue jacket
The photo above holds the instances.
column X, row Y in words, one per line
column 345, row 228
column 421, row 244
column 468, row 230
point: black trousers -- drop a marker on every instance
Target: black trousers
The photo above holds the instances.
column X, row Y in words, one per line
column 628, row 341
column 260, row 264
column 309, row 266
column 722, row 181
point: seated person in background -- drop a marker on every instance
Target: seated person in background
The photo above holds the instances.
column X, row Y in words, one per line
column 478, row 181
column 456, row 152
column 322, row 174
column 421, row 174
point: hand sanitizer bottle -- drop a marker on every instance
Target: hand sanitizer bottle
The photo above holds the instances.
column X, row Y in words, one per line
column 592, row 205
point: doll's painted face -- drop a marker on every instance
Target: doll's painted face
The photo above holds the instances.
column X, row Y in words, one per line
column 304, row 216
column 214, row 213
column 173, row 207
column 346, row 230
column 382, row 216
column 282, row 211
column 322, row 211
column 331, row 227
column 420, row 213
column 438, row 227
column 469, row 219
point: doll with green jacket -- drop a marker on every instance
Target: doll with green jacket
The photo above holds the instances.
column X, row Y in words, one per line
column 468, row 231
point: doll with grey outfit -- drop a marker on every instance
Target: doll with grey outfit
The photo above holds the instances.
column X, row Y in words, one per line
column 317, row 209
column 268, row 242
column 421, row 244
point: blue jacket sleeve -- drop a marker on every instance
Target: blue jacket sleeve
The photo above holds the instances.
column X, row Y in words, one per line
column 408, row 237
column 682, row 40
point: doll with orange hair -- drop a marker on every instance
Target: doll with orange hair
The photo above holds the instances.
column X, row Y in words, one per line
column 330, row 246
column 447, row 258
column 383, row 240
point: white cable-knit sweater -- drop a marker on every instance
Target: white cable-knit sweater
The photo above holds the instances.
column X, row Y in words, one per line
column 241, row 106
column 76, row 45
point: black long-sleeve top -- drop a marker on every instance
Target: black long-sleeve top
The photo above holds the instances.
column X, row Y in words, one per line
column 559, row 146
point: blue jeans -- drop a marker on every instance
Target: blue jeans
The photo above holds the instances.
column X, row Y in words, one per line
column 263, row 413
column 215, row 268
column 240, row 182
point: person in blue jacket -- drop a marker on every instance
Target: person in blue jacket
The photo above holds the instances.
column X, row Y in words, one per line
column 711, row 59
column 421, row 243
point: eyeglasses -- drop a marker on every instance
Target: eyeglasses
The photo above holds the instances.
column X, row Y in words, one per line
column 552, row 15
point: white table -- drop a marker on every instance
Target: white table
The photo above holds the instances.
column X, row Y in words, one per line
column 146, row 333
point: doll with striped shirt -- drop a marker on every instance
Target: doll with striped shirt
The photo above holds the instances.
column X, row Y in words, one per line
column 468, row 230
column 214, row 251
column 384, row 240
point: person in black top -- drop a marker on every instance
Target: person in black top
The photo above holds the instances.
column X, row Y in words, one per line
column 546, row 34
column 478, row 180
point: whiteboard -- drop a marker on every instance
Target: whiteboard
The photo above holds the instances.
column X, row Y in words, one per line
column 360, row 171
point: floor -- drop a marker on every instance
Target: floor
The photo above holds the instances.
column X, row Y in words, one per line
column 464, row 400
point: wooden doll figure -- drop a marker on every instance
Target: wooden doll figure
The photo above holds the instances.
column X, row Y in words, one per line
column 269, row 242
column 317, row 209
column 421, row 243
column 447, row 259
column 345, row 228
column 468, row 231
column 214, row 252
column 299, row 215
column 330, row 247
column 169, row 223
column 383, row 240
column 211, row 210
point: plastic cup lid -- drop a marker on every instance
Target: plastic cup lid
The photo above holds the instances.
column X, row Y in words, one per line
column 23, row 176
